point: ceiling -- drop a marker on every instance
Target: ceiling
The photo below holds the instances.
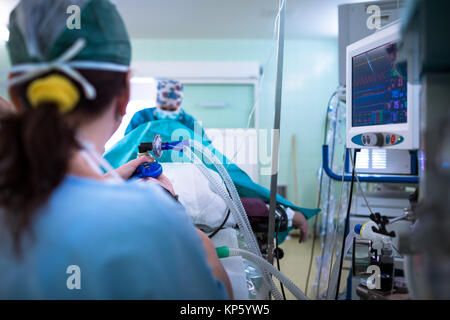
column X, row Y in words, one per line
column 170, row 19
column 228, row 18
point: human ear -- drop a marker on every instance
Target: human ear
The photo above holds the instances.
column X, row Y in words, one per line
column 15, row 101
column 124, row 97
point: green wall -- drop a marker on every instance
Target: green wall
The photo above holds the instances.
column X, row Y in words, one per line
column 238, row 97
column 310, row 77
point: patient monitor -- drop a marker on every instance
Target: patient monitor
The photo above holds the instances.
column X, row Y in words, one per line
column 382, row 107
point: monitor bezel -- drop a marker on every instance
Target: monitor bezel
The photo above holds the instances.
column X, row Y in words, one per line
column 409, row 129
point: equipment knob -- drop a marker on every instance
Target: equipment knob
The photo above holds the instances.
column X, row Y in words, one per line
column 379, row 139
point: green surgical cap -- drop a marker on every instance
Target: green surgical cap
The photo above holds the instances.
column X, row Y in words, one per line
column 39, row 33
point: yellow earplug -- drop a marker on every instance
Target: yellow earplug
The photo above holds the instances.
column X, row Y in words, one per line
column 54, row 89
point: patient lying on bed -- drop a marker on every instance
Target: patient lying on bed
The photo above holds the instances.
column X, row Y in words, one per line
column 186, row 183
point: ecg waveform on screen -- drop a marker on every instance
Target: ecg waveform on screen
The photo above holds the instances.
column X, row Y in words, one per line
column 378, row 92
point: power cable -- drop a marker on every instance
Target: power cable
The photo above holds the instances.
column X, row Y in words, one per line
column 347, row 220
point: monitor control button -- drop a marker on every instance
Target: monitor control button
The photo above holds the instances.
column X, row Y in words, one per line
column 393, row 139
column 379, row 139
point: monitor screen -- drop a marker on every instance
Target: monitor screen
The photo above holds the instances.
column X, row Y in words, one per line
column 378, row 90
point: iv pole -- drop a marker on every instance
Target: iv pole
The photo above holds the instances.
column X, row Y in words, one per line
column 276, row 132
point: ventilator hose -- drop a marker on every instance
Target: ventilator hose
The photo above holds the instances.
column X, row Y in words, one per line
column 222, row 191
column 271, row 269
column 246, row 228
column 239, row 215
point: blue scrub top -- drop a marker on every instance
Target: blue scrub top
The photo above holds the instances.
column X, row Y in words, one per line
column 149, row 115
column 130, row 241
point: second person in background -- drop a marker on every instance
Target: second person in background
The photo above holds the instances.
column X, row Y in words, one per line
column 168, row 107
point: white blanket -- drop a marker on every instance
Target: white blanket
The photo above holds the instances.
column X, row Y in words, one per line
column 207, row 209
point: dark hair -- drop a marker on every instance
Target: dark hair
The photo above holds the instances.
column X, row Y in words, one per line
column 36, row 145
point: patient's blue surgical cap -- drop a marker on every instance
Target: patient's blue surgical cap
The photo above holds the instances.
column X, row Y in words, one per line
column 170, row 93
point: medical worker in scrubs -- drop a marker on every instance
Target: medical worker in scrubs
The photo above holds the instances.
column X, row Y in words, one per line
column 168, row 107
column 67, row 230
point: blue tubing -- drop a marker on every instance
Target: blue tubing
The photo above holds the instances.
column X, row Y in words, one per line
column 376, row 178
column 173, row 145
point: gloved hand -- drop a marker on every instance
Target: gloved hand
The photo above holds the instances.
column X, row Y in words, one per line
column 127, row 170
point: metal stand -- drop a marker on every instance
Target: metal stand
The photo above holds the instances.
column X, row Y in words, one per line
column 276, row 136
